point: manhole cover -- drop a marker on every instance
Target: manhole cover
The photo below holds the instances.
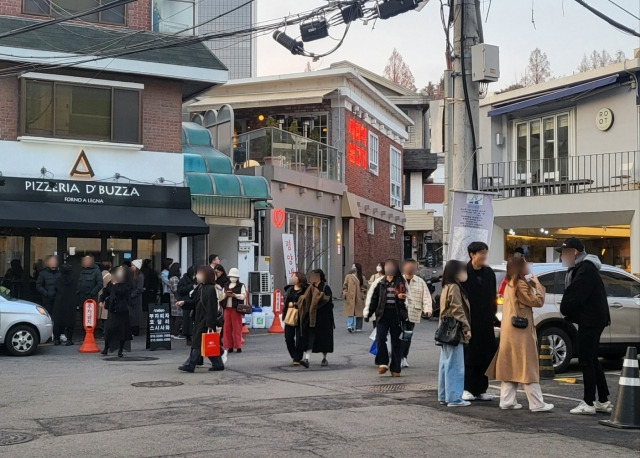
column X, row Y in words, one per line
column 9, row 438
column 130, row 359
column 396, row 387
column 156, row 384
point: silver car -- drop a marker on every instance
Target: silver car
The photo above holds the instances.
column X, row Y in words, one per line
column 23, row 325
column 623, row 292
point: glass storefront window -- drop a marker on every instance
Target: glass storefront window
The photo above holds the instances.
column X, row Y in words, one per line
column 151, row 249
column 196, row 251
column 12, row 248
column 41, row 247
column 311, row 235
column 120, row 250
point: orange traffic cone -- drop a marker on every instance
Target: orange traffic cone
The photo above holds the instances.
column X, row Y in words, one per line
column 626, row 412
column 245, row 329
column 276, row 326
column 89, row 309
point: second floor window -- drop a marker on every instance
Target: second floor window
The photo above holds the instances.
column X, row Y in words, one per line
column 395, row 159
column 59, row 8
column 373, row 153
column 73, row 111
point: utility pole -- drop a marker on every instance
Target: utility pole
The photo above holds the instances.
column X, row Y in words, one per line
column 461, row 130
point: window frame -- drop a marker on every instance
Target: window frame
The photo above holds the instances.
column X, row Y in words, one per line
column 608, row 277
column 371, row 225
column 373, row 165
column 71, row 81
column 124, row 22
column 395, row 200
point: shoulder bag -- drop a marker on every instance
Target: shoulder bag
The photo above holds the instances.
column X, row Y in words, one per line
column 244, row 309
column 292, row 316
column 448, row 331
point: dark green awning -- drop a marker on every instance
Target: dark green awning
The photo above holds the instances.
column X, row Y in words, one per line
column 221, row 184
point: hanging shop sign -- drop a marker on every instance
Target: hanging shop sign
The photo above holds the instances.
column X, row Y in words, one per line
column 289, row 251
column 82, row 167
column 278, row 216
column 357, row 144
column 93, row 193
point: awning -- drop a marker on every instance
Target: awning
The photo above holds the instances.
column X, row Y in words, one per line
column 226, row 185
column 269, row 99
column 263, row 205
column 552, row 96
column 350, row 206
column 418, row 220
column 46, row 215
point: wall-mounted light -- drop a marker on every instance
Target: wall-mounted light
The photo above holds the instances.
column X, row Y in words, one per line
column 334, row 198
column 319, row 194
column 277, row 217
column 261, row 117
column 282, row 186
column 339, row 242
column 375, row 210
column 366, row 207
column 302, row 190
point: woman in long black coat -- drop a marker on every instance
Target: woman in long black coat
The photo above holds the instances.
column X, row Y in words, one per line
column 117, row 300
column 207, row 317
column 325, row 324
column 64, row 306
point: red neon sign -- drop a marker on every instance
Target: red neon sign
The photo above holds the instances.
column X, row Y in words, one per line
column 277, row 214
column 357, row 144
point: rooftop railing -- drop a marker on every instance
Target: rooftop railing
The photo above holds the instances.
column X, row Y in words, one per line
column 272, row 146
column 606, row 172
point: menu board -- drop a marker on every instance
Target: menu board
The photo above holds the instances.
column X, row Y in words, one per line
column 159, row 330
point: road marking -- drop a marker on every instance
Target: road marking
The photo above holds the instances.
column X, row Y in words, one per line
column 543, row 394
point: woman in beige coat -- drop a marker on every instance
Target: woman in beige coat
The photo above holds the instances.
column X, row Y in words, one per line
column 354, row 291
column 517, row 358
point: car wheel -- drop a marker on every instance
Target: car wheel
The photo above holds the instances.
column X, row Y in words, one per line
column 560, row 346
column 21, row 340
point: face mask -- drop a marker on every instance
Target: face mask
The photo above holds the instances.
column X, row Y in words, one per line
column 353, row 267
column 200, row 278
column 233, row 279
column 293, row 281
column 378, row 269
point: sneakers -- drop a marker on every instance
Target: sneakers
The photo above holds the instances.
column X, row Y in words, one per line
column 178, row 337
column 466, row 396
column 305, row 363
column 383, row 369
column 350, row 330
column 603, row 407
column 404, row 363
column 63, row 338
column 462, row 403
column 544, row 408
column 224, row 357
column 583, row 409
column 515, row 406
column 442, row 403
column 484, row 397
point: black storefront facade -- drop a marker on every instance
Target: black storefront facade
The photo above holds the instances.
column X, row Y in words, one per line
column 112, row 221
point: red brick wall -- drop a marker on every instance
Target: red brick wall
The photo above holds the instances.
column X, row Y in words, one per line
column 370, row 249
column 161, row 111
column 138, row 13
column 433, row 193
column 364, row 183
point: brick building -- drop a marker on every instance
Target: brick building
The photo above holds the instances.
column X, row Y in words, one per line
column 332, row 147
column 91, row 135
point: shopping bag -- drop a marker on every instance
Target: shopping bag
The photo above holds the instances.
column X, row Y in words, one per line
column 374, row 349
column 210, row 344
column 373, row 334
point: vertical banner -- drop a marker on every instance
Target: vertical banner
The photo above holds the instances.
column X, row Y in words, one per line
column 471, row 221
column 289, row 251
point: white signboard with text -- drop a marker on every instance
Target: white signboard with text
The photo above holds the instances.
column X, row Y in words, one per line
column 289, row 250
column 471, row 221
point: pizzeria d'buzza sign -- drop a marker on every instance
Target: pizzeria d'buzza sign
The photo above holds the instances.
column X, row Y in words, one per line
column 81, row 192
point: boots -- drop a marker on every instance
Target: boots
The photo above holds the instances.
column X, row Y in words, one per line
column 120, row 349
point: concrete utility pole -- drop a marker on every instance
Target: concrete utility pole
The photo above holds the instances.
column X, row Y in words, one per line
column 459, row 135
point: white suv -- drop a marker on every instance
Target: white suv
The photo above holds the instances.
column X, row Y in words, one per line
column 623, row 292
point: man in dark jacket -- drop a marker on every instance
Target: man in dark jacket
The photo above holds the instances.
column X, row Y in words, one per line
column 46, row 283
column 481, row 290
column 585, row 303
column 89, row 281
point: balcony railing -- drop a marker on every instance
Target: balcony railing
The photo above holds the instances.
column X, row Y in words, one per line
column 605, row 172
column 271, row 146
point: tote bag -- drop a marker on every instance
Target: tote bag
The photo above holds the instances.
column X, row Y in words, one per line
column 291, row 318
column 210, row 344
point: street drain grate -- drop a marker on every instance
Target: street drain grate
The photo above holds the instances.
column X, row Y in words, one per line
column 156, row 384
column 396, row 387
column 130, row 359
column 11, row 438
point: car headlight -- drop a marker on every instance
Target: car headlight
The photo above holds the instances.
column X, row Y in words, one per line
column 42, row 310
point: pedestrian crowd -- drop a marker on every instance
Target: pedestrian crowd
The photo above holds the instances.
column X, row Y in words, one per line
column 207, row 299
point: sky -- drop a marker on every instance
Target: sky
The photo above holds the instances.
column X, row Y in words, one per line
column 563, row 29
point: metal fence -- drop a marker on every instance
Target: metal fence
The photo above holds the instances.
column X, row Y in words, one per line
column 604, row 172
column 272, row 146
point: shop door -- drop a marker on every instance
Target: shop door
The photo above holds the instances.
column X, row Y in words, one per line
column 40, row 248
column 119, row 250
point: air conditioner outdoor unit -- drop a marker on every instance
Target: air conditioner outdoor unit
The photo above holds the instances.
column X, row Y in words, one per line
column 260, row 282
column 245, row 234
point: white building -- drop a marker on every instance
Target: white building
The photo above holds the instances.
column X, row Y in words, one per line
column 564, row 158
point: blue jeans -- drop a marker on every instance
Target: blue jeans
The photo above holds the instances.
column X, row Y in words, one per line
column 451, row 373
column 354, row 322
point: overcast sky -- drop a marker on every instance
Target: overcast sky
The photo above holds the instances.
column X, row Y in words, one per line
column 564, row 30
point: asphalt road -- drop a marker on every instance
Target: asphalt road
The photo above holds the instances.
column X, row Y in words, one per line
column 76, row 405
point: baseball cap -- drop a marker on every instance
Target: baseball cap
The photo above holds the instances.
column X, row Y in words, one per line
column 572, row 242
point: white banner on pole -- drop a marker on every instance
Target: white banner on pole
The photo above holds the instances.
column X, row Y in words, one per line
column 471, row 221
column 289, row 250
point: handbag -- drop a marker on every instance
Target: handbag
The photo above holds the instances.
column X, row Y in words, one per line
column 406, row 333
column 292, row 316
column 210, row 344
column 244, row 309
column 520, row 322
column 448, row 331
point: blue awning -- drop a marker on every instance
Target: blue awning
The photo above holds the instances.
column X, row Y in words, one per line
column 552, row 96
column 228, row 185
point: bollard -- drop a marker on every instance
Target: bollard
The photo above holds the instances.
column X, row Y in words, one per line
column 89, row 318
column 547, row 372
column 626, row 411
column 277, row 305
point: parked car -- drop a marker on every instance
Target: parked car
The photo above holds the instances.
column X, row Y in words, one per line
column 23, row 325
column 623, row 292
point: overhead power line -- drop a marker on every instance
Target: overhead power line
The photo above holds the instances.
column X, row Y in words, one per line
column 606, row 18
column 625, row 10
column 42, row 24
